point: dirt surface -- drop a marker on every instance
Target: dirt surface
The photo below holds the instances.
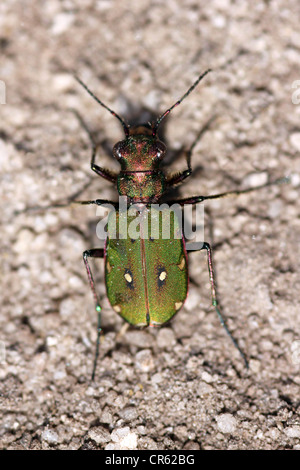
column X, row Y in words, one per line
column 183, row 386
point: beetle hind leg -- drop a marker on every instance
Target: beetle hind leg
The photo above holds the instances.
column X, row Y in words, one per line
column 94, row 253
column 206, row 246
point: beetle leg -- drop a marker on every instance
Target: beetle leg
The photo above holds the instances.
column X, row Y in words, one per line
column 98, row 202
column 94, row 253
column 107, row 174
column 197, row 199
column 206, row 246
column 59, row 205
column 104, row 172
column 179, row 177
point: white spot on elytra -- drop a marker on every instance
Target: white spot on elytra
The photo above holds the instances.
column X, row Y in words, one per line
column 128, row 277
column 178, row 305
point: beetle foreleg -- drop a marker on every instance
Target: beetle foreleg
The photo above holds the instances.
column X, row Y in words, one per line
column 181, row 176
column 177, row 178
column 107, row 174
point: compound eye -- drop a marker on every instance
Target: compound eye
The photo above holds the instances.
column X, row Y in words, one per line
column 160, row 150
column 117, row 151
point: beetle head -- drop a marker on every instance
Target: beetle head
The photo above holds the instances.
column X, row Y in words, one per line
column 141, row 150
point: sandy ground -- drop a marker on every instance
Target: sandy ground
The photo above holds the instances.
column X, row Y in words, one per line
column 183, row 386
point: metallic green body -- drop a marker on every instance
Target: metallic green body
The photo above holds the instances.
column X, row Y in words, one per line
column 146, row 270
column 140, row 155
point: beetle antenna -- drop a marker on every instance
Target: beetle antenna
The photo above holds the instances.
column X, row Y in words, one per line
column 158, row 121
column 125, row 126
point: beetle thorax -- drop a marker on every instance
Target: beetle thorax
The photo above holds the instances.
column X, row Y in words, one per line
column 140, row 178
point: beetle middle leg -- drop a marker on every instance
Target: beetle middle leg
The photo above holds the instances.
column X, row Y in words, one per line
column 237, row 192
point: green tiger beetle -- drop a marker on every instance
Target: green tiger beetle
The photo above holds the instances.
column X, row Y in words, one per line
column 147, row 278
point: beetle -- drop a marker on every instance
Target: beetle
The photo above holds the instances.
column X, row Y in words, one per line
column 147, row 278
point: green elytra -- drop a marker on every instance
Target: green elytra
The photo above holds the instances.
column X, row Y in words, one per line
column 147, row 279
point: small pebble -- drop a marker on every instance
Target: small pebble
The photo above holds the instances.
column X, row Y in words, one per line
column 50, row 436
column 124, row 439
column 226, row 423
column 293, row 431
column 144, row 360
